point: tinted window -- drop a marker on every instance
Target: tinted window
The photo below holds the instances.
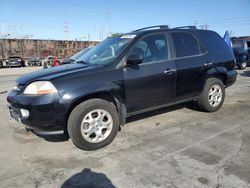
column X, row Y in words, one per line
column 215, row 43
column 185, row 44
column 152, row 48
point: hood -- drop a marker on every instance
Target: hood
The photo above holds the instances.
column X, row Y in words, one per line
column 54, row 72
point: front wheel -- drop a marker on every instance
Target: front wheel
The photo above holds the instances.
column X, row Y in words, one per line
column 212, row 96
column 93, row 124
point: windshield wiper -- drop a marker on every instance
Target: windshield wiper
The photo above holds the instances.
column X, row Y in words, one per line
column 82, row 62
column 70, row 59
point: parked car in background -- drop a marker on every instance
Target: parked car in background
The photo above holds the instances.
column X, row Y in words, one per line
column 48, row 61
column 144, row 70
column 248, row 50
column 15, row 61
column 34, row 61
column 74, row 57
column 1, row 64
column 240, row 50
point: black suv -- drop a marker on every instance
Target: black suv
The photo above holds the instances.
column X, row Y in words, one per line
column 144, row 70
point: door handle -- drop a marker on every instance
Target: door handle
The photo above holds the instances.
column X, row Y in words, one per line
column 169, row 71
column 209, row 64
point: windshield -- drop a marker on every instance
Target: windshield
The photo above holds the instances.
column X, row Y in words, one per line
column 107, row 51
column 80, row 53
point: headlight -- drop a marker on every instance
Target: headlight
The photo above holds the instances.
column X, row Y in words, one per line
column 40, row 88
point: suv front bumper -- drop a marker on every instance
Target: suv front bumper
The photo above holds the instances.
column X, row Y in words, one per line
column 46, row 112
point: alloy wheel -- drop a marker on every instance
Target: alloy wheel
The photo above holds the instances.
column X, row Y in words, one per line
column 96, row 125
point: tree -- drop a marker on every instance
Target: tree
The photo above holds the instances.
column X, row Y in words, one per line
column 116, row 34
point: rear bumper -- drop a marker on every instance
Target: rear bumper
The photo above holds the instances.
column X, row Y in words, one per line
column 46, row 113
column 231, row 77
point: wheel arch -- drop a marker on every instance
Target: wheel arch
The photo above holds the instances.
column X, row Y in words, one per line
column 218, row 72
column 105, row 95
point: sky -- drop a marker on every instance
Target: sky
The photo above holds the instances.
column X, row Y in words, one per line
column 94, row 19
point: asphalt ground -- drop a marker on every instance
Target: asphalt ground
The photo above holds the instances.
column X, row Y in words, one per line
column 177, row 146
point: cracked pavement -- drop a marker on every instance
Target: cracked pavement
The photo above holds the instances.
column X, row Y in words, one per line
column 177, row 146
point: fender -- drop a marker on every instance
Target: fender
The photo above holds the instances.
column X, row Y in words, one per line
column 215, row 72
column 79, row 94
column 121, row 108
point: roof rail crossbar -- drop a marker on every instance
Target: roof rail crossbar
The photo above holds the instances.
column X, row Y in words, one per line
column 156, row 26
column 186, row 27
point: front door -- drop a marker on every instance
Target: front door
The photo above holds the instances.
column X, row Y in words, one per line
column 151, row 83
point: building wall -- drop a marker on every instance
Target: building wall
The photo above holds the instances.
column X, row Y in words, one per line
column 243, row 37
column 42, row 48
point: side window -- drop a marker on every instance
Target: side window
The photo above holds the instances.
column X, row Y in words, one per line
column 152, row 48
column 185, row 44
column 215, row 42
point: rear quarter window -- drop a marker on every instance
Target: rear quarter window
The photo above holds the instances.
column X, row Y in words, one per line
column 216, row 43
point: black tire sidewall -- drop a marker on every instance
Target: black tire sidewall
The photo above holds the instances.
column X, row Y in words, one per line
column 78, row 113
column 205, row 105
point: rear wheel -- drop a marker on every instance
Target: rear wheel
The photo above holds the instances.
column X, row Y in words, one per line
column 93, row 124
column 212, row 96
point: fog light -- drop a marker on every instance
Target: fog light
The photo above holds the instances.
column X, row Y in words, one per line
column 25, row 113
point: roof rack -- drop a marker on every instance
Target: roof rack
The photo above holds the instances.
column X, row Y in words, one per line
column 151, row 27
column 186, row 27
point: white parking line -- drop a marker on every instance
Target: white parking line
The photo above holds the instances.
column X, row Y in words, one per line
column 245, row 122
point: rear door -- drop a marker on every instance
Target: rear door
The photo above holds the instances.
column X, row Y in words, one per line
column 151, row 83
column 191, row 64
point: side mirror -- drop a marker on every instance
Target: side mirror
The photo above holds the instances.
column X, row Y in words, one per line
column 134, row 59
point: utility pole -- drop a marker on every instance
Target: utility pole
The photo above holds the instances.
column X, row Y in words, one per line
column 21, row 30
column 2, row 30
column 195, row 23
column 89, row 39
column 101, row 34
column 109, row 21
column 231, row 33
column 66, row 30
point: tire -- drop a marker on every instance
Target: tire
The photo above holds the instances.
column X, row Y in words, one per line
column 242, row 65
column 205, row 100
column 83, row 111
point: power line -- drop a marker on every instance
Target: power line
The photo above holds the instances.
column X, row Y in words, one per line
column 244, row 24
column 218, row 19
column 13, row 30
